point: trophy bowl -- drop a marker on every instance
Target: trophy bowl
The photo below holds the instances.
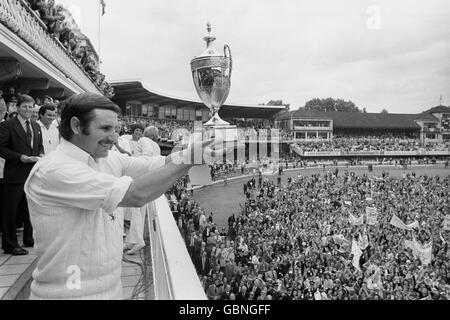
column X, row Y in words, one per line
column 211, row 73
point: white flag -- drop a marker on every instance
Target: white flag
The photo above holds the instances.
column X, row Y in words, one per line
column 447, row 223
column 356, row 221
column 356, row 251
column 371, row 215
column 363, row 241
column 374, row 279
column 396, row 222
column 423, row 252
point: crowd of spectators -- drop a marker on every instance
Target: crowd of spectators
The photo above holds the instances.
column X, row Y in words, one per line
column 352, row 144
column 341, row 143
column 9, row 98
column 60, row 23
column 294, row 242
column 167, row 128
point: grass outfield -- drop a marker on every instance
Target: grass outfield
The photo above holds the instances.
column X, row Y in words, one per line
column 224, row 200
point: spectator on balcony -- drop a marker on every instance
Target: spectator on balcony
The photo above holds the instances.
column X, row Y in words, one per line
column 146, row 147
column 3, row 108
column 136, row 133
column 21, row 147
column 50, row 134
column 48, row 99
column 57, row 121
column 35, row 113
column 36, row 4
column 67, row 39
column 11, row 104
column 121, row 145
column 49, row 15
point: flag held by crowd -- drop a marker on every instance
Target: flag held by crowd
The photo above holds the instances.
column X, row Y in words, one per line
column 396, row 222
column 363, row 241
column 423, row 252
column 356, row 221
column 374, row 279
column 447, row 223
column 371, row 215
column 357, row 253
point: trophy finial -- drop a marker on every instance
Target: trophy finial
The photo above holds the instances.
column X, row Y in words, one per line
column 209, row 38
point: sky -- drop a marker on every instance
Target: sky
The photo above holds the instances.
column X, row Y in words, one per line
column 392, row 54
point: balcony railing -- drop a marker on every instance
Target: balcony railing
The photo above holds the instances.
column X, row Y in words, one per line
column 174, row 274
column 432, row 130
column 22, row 21
column 420, row 152
column 306, row 128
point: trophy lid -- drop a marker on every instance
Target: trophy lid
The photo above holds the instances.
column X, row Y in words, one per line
column 209, row 39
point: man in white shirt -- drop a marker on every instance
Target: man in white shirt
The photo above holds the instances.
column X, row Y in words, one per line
column 74, row 191
column 136, row 133
column 121, row 145
column 57, row 121
column 146, row 146
column 50, row 134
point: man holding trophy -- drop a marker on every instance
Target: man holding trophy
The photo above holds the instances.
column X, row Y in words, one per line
column 73, row 193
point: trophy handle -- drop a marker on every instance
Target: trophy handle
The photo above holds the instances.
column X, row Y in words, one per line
column 227, row 53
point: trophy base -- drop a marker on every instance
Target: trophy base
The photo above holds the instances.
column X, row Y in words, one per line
column 220, row 129
column 222, row 132
column 216, row 121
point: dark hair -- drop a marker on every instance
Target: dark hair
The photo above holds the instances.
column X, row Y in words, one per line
column 23, row 98
column 45, row 107
column 81, row 106
column 133, row 127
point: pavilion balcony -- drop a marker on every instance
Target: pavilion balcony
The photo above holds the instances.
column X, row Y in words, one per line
column 24, row 37
column 174, row 274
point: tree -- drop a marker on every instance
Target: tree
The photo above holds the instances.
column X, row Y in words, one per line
column 384, row 111
column 330, row 104
column 278, row 103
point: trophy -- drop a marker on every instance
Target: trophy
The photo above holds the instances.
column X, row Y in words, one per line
column 211, row 73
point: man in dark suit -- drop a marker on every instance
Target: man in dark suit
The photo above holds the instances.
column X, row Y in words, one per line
column 203, row 264
column 21, row 147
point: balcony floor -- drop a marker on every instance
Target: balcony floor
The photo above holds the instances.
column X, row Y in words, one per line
column 16, row 271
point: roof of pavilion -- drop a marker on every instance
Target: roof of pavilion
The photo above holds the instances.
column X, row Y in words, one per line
column 136, row 91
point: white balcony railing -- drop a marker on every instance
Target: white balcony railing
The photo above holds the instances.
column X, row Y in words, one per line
column 307, row 128
column 21, row 20
column 174, row 274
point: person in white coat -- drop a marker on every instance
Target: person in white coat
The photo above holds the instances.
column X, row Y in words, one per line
column 146, row 146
